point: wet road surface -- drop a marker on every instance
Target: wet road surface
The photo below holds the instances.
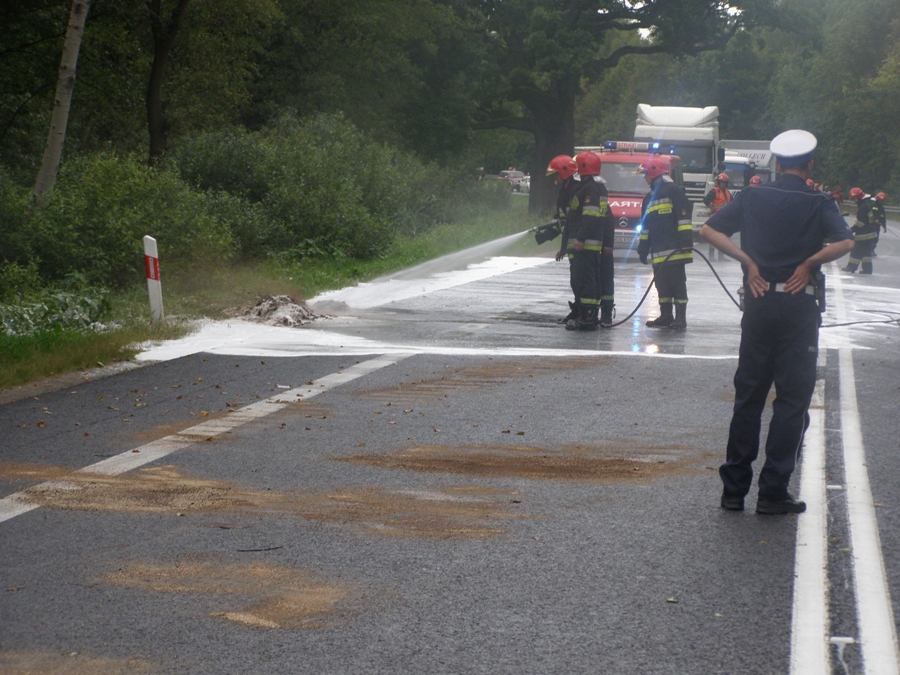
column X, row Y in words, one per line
column 440, row 478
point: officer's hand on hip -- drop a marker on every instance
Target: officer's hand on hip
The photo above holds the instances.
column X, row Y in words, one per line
column 758, row 285
column 578, row 245
column 799, row 279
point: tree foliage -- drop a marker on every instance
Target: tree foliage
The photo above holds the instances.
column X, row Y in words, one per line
column 292, row 127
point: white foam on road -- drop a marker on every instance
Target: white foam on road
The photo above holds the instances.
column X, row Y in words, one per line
column 401, row 287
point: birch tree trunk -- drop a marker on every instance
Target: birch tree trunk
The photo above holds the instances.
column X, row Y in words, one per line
column 64, row 87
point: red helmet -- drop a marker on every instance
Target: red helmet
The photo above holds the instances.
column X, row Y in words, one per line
column 810, row 182
column 880, row 197
column 563, row 165
column 588, row 163
column 722, row 177
column 755, row 180
column 655, row 166
column 857, row 193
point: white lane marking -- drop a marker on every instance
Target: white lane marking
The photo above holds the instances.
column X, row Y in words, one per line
column 18, row 503
column 875, row 615
column 809, row 622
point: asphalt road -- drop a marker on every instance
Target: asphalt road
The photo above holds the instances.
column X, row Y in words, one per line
column 438, row 478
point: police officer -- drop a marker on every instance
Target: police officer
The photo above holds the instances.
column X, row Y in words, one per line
column 666, row 241
column 715, row 199
column 866, row 230
column 564, row 168
column 783, row 227
column 593, row 229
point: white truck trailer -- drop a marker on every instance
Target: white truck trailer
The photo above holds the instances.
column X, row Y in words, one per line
column 693, row 135
column 757, row 152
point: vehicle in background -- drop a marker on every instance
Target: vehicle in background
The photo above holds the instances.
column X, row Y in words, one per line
column 693, row 135
column 620, row 162
column 739, row 170
column 757, row 152
column 513, row 177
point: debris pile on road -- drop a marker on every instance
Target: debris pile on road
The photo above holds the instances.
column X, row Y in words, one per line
column 280, row 310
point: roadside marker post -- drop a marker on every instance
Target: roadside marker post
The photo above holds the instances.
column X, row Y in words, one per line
column 154, row 287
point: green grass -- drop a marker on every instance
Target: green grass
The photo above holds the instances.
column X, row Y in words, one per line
column 218, row 292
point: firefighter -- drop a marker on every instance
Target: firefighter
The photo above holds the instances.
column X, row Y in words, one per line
column 866, row 230
column 880, row 216
column 783, row 229
column 666, row 241
column 593, row 231
column 715, row 199
column 755, row 180
column 838, row 196
column 564, row 168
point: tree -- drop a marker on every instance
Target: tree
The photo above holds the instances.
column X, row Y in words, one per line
column 544, row 52
column 64, row 88
column 164, row 29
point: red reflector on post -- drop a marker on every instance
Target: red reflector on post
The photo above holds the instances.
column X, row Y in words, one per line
column 152, row 265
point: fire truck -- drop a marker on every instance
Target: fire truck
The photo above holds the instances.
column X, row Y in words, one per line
column 620, row 162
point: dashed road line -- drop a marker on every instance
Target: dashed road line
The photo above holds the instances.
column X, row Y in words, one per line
column 19, row 503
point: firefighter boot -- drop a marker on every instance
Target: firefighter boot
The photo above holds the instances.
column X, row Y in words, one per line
column 607, row 313
column 680, row 322
column 573, row 313
column 587, row 320
column 665, row 318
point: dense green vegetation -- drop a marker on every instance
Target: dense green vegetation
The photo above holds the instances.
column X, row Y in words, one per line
column 312, row 143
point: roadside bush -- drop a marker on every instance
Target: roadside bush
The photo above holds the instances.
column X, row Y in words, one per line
column 102, row 208
column 322, row 187
column 73, row 310
column 231, row 161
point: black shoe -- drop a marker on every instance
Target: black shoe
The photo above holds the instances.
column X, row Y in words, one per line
column 582, row 324
column 782, row 506
column 660, row 322
column 732, row 502
column 678, row 324
column 569, row 317
column 849, row 269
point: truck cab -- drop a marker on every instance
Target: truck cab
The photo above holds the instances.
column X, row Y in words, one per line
column 620, row 162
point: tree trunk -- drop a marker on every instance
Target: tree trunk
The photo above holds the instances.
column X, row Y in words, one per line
column 163, row 39
column 554, row 134
column 65, row 85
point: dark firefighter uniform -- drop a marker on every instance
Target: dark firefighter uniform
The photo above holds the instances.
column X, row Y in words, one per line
column 666, row 241
column 879, row 215
column 782, row 224
column 866, row 231
column 591, row 222
column 563, row 202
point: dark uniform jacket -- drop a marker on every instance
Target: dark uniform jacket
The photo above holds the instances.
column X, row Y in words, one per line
column 666, row 232
column 563, row 203
column 879, row 214
column 590, row 218
column 866, row 225
column 781, row 224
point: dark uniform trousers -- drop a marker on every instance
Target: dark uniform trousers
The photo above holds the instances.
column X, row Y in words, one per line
column 778, row 345
column 592, row 276
column 585, row 277
column 671, row 282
